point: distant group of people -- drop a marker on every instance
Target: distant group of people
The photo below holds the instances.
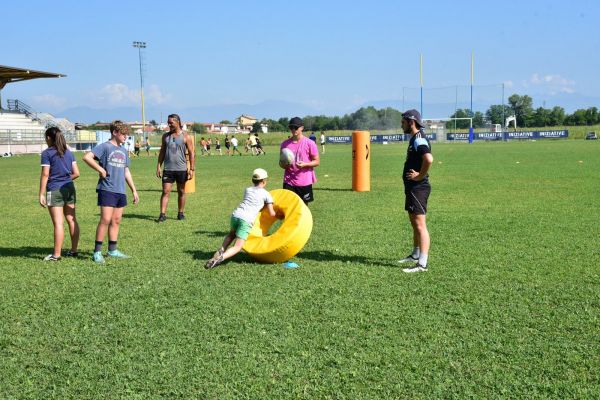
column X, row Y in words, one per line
column 176, row 164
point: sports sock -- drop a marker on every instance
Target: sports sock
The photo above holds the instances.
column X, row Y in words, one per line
column 97, row 246
column 423, row 259
column 112, row 245
column 416, row 252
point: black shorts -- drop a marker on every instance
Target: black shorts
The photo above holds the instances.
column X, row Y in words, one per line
column 227, row 146
column 174, row 176
column 111, row 199
column 416, row 199
column 305, row 192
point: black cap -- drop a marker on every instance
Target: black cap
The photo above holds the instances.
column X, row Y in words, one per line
column 414, row 115
column 296, row 122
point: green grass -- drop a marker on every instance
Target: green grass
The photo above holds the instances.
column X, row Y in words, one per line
column 510, row 308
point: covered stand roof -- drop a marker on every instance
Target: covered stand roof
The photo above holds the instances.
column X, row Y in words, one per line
column 13, row 74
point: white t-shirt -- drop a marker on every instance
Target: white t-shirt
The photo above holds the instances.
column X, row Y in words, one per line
column 255, row 199
column 234, row 142
column 322, row 139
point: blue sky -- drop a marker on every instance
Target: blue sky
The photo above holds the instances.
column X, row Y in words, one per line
column 326, row 57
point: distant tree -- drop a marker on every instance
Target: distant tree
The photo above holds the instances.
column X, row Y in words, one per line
column 592, row 116
column 461, row 123
column 284, row 122
column 557, row 116
column 199, row 128
column 578, row 118
column 365, row 118
column 225, row 122
column 522, row 106
column 541, row 117
column 153, row 122
column 257, row 127
column 498, row 113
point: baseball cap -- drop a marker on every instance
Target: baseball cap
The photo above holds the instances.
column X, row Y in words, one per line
column 414, row 115
column 296, row 122
column 259, row 174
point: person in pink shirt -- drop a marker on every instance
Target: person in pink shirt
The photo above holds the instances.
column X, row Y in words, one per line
column 300, row 175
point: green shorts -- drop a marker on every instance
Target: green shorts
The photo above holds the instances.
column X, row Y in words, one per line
column 61, row 197
column 241, row 227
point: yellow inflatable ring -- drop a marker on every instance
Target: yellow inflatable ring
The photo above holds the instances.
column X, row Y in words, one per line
column 291, row 236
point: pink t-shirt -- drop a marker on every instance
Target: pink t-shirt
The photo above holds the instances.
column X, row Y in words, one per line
column 305, row 150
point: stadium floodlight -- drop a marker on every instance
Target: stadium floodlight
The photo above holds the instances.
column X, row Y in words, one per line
column 140, row 46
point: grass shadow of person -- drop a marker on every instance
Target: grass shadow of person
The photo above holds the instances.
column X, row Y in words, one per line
column 333, row 189
column 325, row 255
column 36, row 253
column 221, row 234
column 139, row 216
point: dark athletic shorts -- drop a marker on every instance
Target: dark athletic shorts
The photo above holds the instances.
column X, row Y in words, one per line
column 111, row 199
column 416, row 199
column 174, row 176
column 305, row 192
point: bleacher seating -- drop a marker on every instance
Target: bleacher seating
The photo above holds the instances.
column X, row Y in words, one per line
column 17, row 122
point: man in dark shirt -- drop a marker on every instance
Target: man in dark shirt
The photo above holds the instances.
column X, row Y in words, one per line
column 417, row 188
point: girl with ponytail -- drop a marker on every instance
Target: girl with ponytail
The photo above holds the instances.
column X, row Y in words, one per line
column 57, row 191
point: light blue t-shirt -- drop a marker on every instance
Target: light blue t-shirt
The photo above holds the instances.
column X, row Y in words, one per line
column 255, row 199
column 114, row 160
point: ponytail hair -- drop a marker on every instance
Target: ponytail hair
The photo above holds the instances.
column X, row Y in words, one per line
column 57, row 140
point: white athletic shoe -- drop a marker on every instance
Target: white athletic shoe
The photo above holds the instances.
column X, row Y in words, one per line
column 408, row 259
column 416, row 268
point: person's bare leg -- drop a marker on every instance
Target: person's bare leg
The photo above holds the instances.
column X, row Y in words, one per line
column 56, row 214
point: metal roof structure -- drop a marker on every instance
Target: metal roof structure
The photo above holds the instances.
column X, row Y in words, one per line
column 13, row 74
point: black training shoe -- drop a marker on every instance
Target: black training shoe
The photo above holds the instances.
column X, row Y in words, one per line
column 180, row 216
column 416, row 268
column 71, row 254
column 161, row 218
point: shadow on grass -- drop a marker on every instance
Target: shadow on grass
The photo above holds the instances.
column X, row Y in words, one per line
column 150, row 190
column 139, row 216
column 333, row 189
column 202, row 256
column 36, row 253
column 220, row 234
column 329, row 256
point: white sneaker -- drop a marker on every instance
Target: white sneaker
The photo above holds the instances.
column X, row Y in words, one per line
column 416, row 268
column 408, row 259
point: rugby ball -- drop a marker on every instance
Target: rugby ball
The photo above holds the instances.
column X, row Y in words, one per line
column 286, row 158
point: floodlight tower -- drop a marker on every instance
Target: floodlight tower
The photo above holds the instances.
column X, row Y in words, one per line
column 140, row 46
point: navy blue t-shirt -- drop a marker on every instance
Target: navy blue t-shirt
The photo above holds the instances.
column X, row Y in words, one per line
column 417, row 147
column 61, row 168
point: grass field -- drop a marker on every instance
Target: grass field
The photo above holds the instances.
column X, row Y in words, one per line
column 509, row 309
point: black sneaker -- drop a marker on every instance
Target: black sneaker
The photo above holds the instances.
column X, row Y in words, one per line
column 180, row 216
column 213, row 262
column 416, row 268
column 71, row 254
column 161, row 218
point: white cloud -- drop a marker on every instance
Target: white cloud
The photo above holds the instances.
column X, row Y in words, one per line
column 552, row 83
column 119, row 94
column 48, row 101
column 508, row 84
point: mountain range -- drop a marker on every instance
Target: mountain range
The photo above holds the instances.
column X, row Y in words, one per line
column 276, row 109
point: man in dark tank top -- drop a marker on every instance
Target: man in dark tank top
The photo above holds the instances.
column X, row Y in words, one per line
column 175, row 144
